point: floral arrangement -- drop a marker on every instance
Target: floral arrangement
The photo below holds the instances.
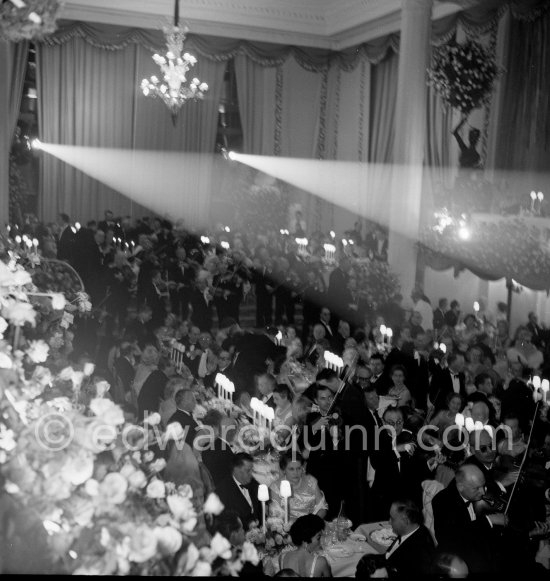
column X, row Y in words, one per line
column 28, row 19
column 78, row 483
column 510, row 248
column 276, row 539
column 376, row 281
column 463, row 75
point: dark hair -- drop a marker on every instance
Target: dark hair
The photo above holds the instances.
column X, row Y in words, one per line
column 450, row 396
column 377, row 356
column 469, row 316
column 286, row 573
column 452, row 357
column 305, row 528
column 180, row 394
column 320, row 387
column 368, row 564
column 290, row 456
column 398, row 368
column 227, row 522
column 454, row 304
column 326, row 374
column 284, row 390
column 443, row 302
column 480, row 378
column 239, row 459
column 65, row 218
column 410, row 509
column 213, row 418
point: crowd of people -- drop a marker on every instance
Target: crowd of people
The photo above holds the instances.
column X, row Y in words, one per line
column 376, row 441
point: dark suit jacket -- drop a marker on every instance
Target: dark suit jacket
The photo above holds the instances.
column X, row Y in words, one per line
column 415, row 555
column 218, row 460
column 457, row 533
column 151, row 393
column 125, row 372
column 202, row 312
column 442, row 384
column 65, row 246
column 188, row 423
column 439, row 318
column 233, row 499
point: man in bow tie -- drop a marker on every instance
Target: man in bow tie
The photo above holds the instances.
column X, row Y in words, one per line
column 239, row 490
column 412, row 553
column 449, row 380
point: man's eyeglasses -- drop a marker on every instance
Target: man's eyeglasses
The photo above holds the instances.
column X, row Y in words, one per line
column 362, row 379
column 394, row 424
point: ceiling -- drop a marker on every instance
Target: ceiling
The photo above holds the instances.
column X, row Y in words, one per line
column 332, row 24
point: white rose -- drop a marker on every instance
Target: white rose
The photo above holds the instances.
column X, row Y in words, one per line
column 174, row 431
column 213, row 504
column 19, row 313
column 107, row 410
column 152, row 419
column 143, row 544
column 137, row 479
column 102, row 387
column 77, row 469
column 185, row 490
column 169, row 540
column 202, row 569
column 148, row 456
column 91, row 487
column 93, row 435
column 156, row 489
column 21, row 278
column 221, row 546
column 5, row 361
column 58, row 302
column 158, row 465
column 38, row 351
column 88, row 369
column 66, row 374
column 3, row 326
column 113, row 488
column 189, row 525
column 181, row 508
column 42, row 375
column 250, row 553
column 127, row 470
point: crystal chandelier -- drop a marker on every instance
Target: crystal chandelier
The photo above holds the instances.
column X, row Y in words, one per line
column 174, row 66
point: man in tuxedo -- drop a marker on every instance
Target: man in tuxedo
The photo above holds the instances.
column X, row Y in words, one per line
column 202, row 305
column 124, row 370
column 459, row 529
column 338, row 294
column 65, row 250
column 452, row 315
column 339, row 339
column 193, row 350
column 379, row 379
column 538, row 333
column 412, row 553
column 324, row 319
column 264, row 284
column 449, row 380
column 266, row 384
column 218, row 455
column 140, row 328
column 238, row 491
column 439, row 314
column 186, row 403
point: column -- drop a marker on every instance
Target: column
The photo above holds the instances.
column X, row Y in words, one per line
column 409, row 142
column 5, row 134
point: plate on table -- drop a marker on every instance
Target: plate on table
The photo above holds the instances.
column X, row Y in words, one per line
column 339, row 552
column 383, row 537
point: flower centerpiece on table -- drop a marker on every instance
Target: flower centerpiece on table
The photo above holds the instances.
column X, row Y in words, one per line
column 275, row 540
column 376, row 282
column 463, row 75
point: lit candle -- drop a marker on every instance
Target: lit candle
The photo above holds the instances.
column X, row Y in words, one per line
column 285, row 494
column 218, row 382
column 476, row 307
column 263, row 497
column 230, row 390
column 536, row 382
column 255, row 409
column 35, row 244
column 332, row 234
column 469, row 424
column 383, row 332
column 459, row 420
column 270, row 415
column 443, row 347
column 545, row 386
column 533, row 198
column 389, row 334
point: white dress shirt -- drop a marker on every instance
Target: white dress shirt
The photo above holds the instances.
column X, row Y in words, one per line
column 244, row 492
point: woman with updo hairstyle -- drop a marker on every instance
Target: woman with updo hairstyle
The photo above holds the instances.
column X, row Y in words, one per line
column 305, row 559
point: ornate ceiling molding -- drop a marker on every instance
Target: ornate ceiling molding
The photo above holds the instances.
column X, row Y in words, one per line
column 331, row 24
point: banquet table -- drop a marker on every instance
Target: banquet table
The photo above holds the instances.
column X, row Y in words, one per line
column 344, row 556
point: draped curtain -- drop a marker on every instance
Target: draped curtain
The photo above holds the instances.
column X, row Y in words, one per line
column 524, row 126
column 89, row 97
column 13, row 64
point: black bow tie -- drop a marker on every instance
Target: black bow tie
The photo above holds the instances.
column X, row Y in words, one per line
column 243, row 486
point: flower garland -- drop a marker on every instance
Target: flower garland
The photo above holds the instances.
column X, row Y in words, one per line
column 509, row 248
column 28, row 19
column 463, row 75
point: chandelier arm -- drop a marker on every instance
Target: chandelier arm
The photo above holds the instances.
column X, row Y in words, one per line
column 176, row 12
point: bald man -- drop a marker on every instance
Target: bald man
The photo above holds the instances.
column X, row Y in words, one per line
column 459, row 529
